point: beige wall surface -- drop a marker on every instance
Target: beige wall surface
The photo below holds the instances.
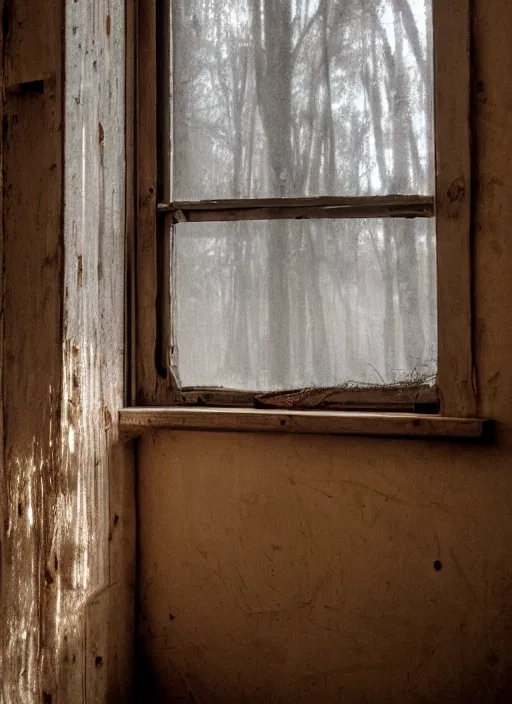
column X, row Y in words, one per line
column 301, row 569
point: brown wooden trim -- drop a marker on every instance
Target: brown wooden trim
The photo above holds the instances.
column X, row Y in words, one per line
column 300, row 208
column 423, row 202
column 453, row 196
column 146, row 173
column 153, row 384
column 130, row 215
column 164, row 103
column 134, row 421
column 404, row 399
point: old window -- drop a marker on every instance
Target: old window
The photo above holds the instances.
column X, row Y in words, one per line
column 303, row 204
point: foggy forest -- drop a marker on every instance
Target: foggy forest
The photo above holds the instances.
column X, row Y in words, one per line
column 303, row 98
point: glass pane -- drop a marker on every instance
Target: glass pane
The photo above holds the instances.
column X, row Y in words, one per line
column 302, row 98
column 291, row 304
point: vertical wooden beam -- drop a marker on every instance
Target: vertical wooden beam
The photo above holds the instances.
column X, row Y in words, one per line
column 146, row 297
column 101, row 511
column 131, row 206
column 31, row 481
column 154, row 383
column 453, row 206
column 67, row 506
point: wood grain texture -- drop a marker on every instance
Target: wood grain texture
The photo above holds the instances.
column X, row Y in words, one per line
column 67, row 508
column 404, row 398
column 133, row 421
column 131, row 201
column 300, row 208
column 453, row 202
column 31, row 480
column 154, row 380
column 152, row 264
column 146, row 283
column 100, row 501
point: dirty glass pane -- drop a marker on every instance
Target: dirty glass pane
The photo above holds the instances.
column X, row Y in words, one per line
column 291, row 304
column 301, row 98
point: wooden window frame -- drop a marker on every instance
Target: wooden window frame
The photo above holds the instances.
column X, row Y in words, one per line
column 152, row 381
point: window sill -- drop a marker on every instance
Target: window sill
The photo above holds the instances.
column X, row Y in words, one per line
column 134, row 422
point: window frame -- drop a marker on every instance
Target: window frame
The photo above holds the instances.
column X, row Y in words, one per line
column 152, row 383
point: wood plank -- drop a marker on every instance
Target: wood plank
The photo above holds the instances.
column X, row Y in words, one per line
column 32, row 300
column 300, row 208
column 146, row 176
column 63, row 352
column 453, row 203
column 321, row 212
column 241, row 203
column 402, row 398
column 153, row 384
column 97, row 538
column 134, row 421
column 130, row 366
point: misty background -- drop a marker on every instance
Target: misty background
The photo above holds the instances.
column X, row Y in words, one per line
column 296, row 98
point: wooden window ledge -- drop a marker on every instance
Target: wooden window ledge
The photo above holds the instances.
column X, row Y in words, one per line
column 135, row 421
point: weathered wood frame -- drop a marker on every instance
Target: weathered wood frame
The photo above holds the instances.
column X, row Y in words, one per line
column 454, row 393
column 298, row 208
column 455, row 377
column 135, row 421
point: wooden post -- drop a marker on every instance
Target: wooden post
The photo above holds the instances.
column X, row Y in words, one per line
column 67, row 507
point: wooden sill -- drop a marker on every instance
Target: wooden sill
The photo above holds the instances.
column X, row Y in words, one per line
column 135, row 421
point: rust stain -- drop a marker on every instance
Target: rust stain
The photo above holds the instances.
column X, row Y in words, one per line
column 101, row 133
column 108, row 25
